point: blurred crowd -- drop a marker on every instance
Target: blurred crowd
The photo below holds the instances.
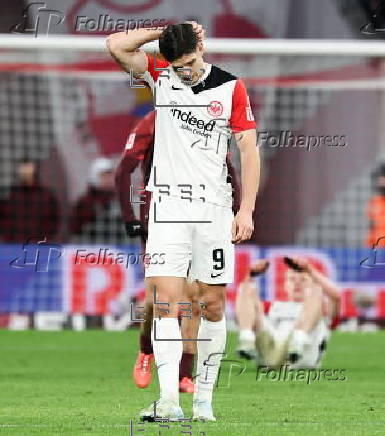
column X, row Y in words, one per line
column 30, row 209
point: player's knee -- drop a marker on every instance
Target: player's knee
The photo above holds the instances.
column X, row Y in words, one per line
column 248, row 292
column 196, row 311
column 213, row 310
column 165, row 305
column 195, row 307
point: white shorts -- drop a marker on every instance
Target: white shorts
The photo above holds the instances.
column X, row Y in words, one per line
column 272, row 344
column 189, row 239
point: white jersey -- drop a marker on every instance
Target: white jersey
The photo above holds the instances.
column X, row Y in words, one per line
column 192, row 129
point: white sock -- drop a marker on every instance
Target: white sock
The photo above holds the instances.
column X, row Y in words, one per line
column 212, row 353
column 167, row 356
column 247, row 335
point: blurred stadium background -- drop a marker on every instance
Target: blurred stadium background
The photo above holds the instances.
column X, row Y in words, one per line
column 310, row 70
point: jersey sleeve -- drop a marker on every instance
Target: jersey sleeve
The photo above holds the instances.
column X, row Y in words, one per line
column 154, row 70
column 241, row 114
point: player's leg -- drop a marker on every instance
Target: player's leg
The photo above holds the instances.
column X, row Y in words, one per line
column 142, row 372
column 246, row 313
column 309, row 317
column 189, row 329
column 211, row 346
column 213, row 267
column 167, row 345
column 249, row 309
column 143, row 365
column 168, row 253
column 313, row 353
column 270, row 346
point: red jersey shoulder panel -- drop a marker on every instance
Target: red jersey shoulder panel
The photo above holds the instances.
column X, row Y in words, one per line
column 241, row 114
column 155, row 66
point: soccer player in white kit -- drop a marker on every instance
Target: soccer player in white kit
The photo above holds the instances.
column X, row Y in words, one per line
column 292, row 332
column 191, row 223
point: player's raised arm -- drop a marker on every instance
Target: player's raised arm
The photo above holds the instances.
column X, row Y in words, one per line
column 329, row 288
column 124, row 48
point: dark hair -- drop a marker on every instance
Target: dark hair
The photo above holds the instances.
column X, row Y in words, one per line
column 177, row 40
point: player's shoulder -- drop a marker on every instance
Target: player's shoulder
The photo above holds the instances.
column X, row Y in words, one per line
column 219, row 76
column 155, row 66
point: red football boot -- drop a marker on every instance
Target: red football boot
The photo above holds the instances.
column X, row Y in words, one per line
column 186, row 385
column 142, row 370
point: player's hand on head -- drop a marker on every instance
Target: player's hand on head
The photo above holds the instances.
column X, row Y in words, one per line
column 242, row 227
column 260, row 266
column 302, row 263
column 198, row 29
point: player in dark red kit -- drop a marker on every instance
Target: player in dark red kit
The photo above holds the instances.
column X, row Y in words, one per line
column 139, row 151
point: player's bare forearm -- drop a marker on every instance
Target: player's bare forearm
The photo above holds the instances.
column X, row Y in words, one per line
column 328, row 286
column 330, row 289
column 124, row 48
column 250, row 171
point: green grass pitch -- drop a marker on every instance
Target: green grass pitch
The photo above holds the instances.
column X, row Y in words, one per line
column 75, row 383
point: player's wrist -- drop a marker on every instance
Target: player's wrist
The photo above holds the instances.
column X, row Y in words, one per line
column 311, row 271
column 153, row 34
column 244, row 208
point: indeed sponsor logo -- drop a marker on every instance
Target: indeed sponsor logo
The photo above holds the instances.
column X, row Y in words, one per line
column 188, row 117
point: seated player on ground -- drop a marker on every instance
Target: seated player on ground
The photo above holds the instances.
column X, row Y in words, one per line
column 139, row 151
column 292, row 332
